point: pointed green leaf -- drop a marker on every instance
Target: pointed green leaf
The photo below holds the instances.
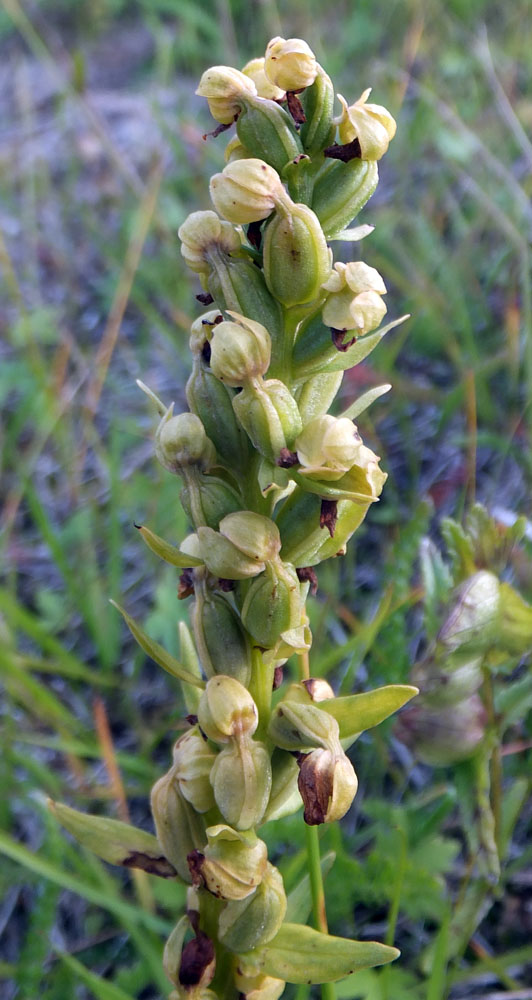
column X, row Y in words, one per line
column 355, row 713
column 157, row 652
column 114, row 841
column 165, row 551
column 300, row 954
column 364, row 401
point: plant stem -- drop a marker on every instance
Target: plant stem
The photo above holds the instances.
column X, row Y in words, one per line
column 319, row 914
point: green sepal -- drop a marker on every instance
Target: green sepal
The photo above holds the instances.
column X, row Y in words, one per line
column 268, row 132
column 300, row 954
column 157, row 652
column 341, row 190
column 361, row 404
column 165, row 551
column 355, row 713
column 116, row 842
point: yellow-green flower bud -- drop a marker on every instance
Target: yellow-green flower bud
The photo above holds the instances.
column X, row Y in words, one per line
column 200, row 233
column 181, row 442
column 226, row 710
column 179, row 827
column 259, row 987
column 354, row 301
column 240, row 350
column 253, row 534
column 445, row 735
column 371, row 124
column 340, row 191
column 242, row 779
column 223, row 559
column 272, row 605
column 222, row 643
column 328, row 784
column 298, row 726
column 246, row 191
column 270, row 416
column 284, row 796
column 265, row 88
column 296, row 258
column 232, row 865
column 224, row 87
column 448, row 680
column 193, row 761
column 235, row 150
column 474, row 619
column 290, row 63
column 328, row 446
column 247, row 923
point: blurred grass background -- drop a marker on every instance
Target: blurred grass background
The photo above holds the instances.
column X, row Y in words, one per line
column 101, row 159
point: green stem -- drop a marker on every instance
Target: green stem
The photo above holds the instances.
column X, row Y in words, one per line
column 261, row 687
column 319, row 914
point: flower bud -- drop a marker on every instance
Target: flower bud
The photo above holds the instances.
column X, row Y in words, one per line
column 256, row 72
column 340, row 192
column 200, row 233
column 232, row 865
column 193, row 761
column 328, row 784
column 253, row 534
column 296, row 726
column 284, row 796
column 318, row 689
column 272, row 605
column 328, row 446
column 226, row 710
column 296, row 258
column 201, row 331
column 240, row 350
column 242, row 779
column 224, row 87
column 270, row 416
column 222, row 643
column 290, row 63
column 181, row 442
column 247, row 923
column 371, row 124
column 442, row 736
column 259, row 987
column 448, row 680
column 246, row 191
column 211, row 401
column 223, row 559
column 474, row 618
column 354, row 301
column 179, row 827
